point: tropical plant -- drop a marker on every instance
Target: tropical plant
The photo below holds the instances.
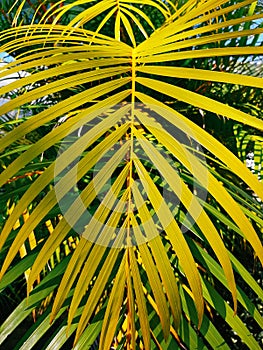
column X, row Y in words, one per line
column 131, row 225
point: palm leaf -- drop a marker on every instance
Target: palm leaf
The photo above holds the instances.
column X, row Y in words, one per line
column 95, row 77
